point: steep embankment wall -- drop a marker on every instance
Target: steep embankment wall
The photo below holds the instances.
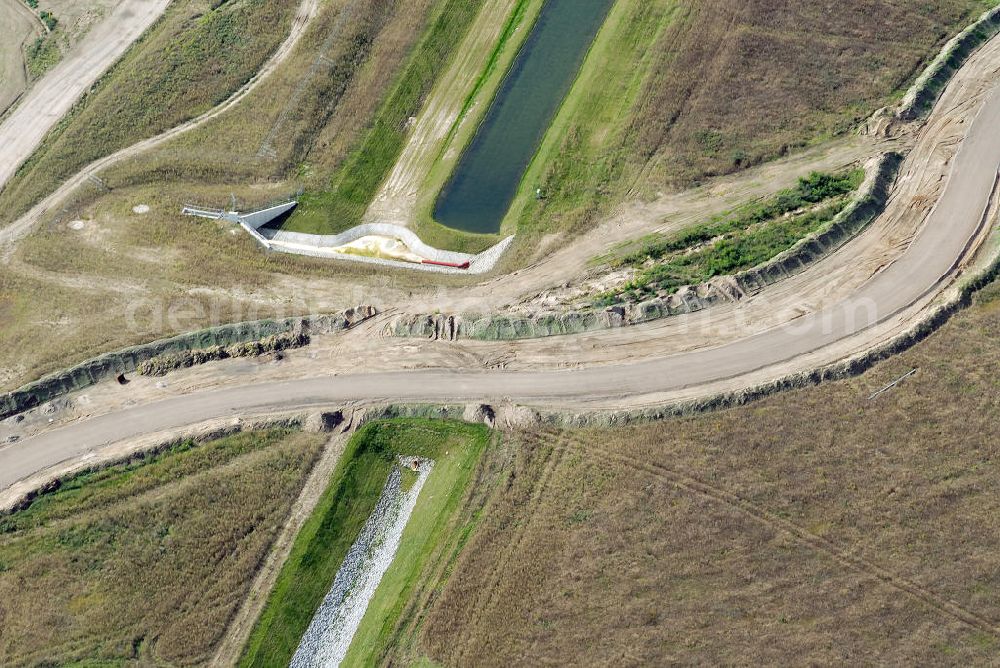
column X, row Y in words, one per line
column 110, row 365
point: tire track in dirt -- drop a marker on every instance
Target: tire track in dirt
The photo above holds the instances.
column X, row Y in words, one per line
column 490, row 591
column 843, row 556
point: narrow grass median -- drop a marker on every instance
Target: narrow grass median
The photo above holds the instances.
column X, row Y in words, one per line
column 744, row 239
column 354, row 489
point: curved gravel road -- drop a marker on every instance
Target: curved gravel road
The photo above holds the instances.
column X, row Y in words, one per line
column 928, row 263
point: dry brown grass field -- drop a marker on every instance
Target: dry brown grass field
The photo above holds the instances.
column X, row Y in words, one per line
column 19, row 32
column 736, row 83
column 193, row 58
column 145, row 563
column 716, row 86
column 815, row 527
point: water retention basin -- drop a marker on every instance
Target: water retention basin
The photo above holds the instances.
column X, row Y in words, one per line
column 484, row 183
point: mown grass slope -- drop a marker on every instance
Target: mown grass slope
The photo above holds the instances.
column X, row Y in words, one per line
column 146, row 561
column 342, row 204
column 739, row 83
column 670, row 542
column 676, row 91
column 192, row 59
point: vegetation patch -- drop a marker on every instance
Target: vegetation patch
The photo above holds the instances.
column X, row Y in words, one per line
column 328, row 534
column 675, row 93
column 42, row 55
column 190, row 61
column 740, row 241
column 343, row 204
column 146, row 561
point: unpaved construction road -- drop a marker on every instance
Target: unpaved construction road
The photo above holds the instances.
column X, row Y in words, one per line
column 865, row 293
column 52, row 97
column 305, row 14
column 908, row 283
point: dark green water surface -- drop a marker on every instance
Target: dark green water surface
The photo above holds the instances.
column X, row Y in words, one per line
column 487, row 176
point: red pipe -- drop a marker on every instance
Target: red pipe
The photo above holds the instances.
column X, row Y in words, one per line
column 453, row 265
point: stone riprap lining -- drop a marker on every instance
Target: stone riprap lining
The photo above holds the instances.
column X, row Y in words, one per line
column 111, row 365
column 328, row 638
column 866, row 205
column 932, row 82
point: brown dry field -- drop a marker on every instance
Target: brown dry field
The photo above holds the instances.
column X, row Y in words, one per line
column 147, row 563
column 814, row 527
column 737, row 83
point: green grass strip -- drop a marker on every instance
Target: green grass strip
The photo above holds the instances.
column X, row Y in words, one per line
column 357, row 182
column 751, row 236
column 431, row 535
column 334, row 525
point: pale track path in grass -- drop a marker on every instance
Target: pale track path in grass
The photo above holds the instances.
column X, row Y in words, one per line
column 307, row 11
column 240, row 627
column 844, row 556
column 488, row 593
column 54, row 95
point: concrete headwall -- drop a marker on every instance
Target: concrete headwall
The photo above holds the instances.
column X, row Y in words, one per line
column 110, row 365
column 318, row 245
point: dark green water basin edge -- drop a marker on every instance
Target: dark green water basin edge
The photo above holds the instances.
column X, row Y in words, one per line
column 487, row 177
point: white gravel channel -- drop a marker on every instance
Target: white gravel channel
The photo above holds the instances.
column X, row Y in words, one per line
column 329, row 635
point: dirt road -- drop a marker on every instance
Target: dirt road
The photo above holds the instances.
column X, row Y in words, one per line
column 52, row 97
column 868, row 291
column 886, row 299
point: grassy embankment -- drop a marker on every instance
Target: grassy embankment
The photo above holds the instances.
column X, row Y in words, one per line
column 752, row 535
column 166, row 259
column 477, row 94
column 191, row 60
column 346, row 505
column 147, row 560
column 719, row 87
column 309, row 113
column 746, row 238
column 198, row 271
column 342, row 204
